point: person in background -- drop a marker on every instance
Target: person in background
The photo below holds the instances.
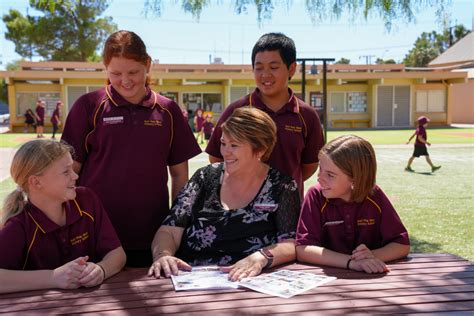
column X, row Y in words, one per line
column 420, row 145
column 299, row 136
column 29, row 121
column 198, row 122
column 39, row 115
column 56, row 118
column 52, row 233
column 126, row 139
column 240, row 213
column 346, row 219
column 208, row 128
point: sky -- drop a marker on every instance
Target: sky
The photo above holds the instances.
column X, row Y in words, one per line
column 177, row 38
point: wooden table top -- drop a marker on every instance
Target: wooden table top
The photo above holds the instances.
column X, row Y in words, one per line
column 429, row 283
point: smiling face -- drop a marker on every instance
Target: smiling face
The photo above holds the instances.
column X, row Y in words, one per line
column 334, row 183
column 57, row 183
column 128, row 78
column 271, row 74
column 237, row 156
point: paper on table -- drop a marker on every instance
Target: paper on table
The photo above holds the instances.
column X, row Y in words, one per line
column 202, row 278
column 285, row 283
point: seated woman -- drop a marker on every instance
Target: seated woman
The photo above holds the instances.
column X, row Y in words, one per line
column 241, row 212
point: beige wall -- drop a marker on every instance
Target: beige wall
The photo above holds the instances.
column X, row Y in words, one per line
column 463, row 102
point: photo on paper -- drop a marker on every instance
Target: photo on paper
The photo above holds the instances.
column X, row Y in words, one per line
column 202, row 278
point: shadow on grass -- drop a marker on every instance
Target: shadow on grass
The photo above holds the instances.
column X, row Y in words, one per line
column 419, row 245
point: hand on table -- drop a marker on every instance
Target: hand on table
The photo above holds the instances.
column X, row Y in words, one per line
column 67, row 276
column 92, row 275
column 249, row 266
column 362, row 252
column 169, row 265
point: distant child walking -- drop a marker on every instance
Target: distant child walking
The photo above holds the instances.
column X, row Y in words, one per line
column 52, row 233
column 420, row 145
column 208, row 128
column 346, row 219
column 56, row 118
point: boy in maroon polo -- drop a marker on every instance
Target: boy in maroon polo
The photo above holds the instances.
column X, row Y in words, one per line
column 420, row 145
column 346, row 220
column 299, row 137
column 126, row 137
column 61, row 236
column 39, row 113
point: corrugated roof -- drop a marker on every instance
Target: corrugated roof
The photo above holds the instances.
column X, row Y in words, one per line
column 461, row 52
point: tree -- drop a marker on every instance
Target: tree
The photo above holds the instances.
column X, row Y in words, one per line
column 343, row 61
column 67, row 30
column 380, row 61
column 318, row 10
column 430, row 45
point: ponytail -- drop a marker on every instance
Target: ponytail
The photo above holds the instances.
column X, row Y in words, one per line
column 13, row 205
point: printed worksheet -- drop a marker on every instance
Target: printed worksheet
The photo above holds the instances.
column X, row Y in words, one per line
column 202, row 278
column 285, row 283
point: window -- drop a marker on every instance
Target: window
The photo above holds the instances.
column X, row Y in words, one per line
column 316, row 100
column 27, row 100
column 171, row 95
column 431, row 101
column 74, row 92
column 210, row 102
column 353, row 102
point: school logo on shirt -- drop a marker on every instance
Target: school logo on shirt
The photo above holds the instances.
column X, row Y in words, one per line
column 294, row 129
column 152, row 123
column 113, row 120
column 79, row 238
column 365, row 222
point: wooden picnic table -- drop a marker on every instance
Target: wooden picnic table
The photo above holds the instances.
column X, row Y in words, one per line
column 429, row 283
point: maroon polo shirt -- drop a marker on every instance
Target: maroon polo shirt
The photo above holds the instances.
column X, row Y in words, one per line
column 341, row 226
column 31, row 241
column 54, row 120
column 420, row 131
column 207, row 127
column 299, row 134
column 40, row 112
column 199, row 122
column 125, row 150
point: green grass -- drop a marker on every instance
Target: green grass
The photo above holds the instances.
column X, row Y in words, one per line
column 437, row 209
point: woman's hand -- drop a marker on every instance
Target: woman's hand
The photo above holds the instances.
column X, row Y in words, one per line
column 362, row 252
column 67, row 276
column 92, row 275
column 169, row 265
column 371, row 265
column 249, row 266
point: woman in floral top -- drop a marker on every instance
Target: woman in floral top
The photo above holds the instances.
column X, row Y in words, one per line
column 241, row 213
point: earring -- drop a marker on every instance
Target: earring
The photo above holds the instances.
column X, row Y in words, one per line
column 352, row 186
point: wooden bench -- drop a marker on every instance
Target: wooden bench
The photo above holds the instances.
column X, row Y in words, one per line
column 353, row 122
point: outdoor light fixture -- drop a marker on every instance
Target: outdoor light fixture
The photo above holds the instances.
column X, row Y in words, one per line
column 314, row 70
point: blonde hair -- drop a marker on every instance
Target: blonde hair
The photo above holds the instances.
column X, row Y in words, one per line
column 253, row 126
column 355, row 157
column 31, row 159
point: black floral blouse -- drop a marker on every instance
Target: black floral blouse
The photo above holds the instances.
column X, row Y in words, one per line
column 214, row 235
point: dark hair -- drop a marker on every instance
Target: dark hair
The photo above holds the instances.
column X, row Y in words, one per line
column 356, row 158
column 253, row 126
column 276, row 41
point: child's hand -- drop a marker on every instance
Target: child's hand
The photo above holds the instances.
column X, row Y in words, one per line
column 362, row 252
column 67, row 275
column 92, row 275
column 372, row 265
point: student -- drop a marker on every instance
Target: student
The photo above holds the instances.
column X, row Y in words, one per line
column 56, row 118
column 420, row 145
column 39, row 115
column 208, row 127
column 299, row 136
column 346, row 220
column 53, row 234
column 29, row 121
column 198, row 123
column 126, row 138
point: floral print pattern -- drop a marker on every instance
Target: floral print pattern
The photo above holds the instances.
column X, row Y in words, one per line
column 214, row 235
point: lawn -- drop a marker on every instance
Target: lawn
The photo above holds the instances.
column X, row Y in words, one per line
column 437, row 208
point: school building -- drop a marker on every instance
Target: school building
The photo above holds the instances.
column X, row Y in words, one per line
column 359, row 96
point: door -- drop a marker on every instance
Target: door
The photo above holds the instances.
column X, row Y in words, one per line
column 393, row 106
